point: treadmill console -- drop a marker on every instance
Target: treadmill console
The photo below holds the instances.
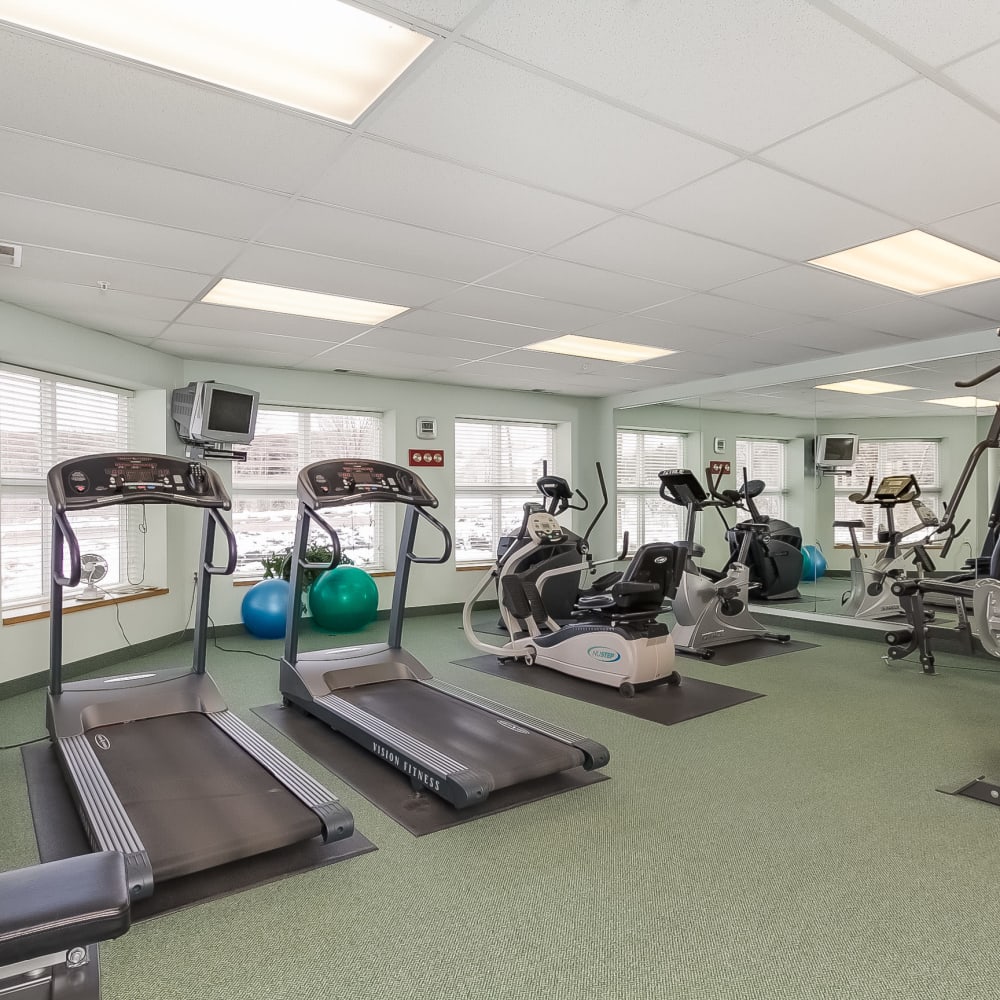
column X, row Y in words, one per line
column 128, row 477
column 337, row 482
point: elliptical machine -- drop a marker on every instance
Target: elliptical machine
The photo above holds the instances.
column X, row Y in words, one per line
column 871, row 596
column 614, row 638
column 711, row 608
column 774, row 556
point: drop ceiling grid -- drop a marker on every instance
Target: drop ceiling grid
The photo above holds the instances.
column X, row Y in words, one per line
column 533, row 212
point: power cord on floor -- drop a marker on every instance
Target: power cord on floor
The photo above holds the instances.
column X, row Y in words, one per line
column 245, row 652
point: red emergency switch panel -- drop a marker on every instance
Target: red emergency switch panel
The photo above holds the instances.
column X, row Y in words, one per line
column 427, row 458
column 716, row 468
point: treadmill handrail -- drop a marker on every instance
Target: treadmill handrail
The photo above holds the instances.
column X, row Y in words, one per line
column 335, row 547
column 233, row 552
column 63, row 532
column 445, row 534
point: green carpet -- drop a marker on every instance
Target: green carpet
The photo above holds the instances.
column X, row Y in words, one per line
column 794, row 849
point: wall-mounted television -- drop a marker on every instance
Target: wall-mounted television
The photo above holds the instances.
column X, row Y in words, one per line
column 213, row 413
column 836, row 451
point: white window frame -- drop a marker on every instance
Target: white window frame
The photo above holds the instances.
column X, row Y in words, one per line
column 501, row 496
column 771, row 491
column 648, row 489
column 54, row 429
column 930, row 493
column 283, row 490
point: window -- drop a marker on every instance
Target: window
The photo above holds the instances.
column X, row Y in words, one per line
column 887, row 458
column 264, row 498
column 496, row 467
column 764, row 460
column 641, row 511
column 43, row 421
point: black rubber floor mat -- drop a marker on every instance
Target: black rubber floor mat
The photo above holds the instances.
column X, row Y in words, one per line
column 664, row 704
column 60, row 835
column 389, row 790
column 752, row 649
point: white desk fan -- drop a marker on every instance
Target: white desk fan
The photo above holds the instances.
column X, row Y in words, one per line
column 93, row 569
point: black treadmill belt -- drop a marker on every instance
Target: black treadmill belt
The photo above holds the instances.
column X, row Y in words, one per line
column 195, row 797
column 471, row 735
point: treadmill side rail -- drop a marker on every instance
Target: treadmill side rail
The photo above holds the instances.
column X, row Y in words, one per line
column 595, row 754
column 106, row 822
column 453, row 780
column 337, row 821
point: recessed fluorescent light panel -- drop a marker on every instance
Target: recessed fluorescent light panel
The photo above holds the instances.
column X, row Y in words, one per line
column 600, row 350
column 914, row 262
column 274, row 298
column 864, row 387
column 967, row 402
column 327, row 58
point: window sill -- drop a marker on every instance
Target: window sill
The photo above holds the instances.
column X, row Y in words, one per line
column 847, row 547
column 37, row 612
column 473, row 567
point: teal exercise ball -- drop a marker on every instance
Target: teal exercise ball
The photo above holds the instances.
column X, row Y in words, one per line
column 265, row 607
column 813, row 563
column 343, row 599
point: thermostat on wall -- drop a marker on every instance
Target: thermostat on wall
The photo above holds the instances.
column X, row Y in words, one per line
column 427, row 427
column 720, row 445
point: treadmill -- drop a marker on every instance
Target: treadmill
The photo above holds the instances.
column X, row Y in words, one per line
column 160, row 770
column 454, row 743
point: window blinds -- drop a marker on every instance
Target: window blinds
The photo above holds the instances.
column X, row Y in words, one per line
column 264, row 500
column 640, row 510
column 497, row 464
column 45, row 420
column 764, row 459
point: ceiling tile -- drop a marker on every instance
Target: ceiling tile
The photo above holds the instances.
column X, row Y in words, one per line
column 677, row 61
column 96, row 100
column 224, row 355
column 711, row 312
column 352, row 236
column 47, row 225
column 400, row 184
column 238, row 340
column 122, row 275
column 446, row 13
column 43, row 296
column 513, row 307
column 648, row 250
column 917, row 319
column 490, row 114
column 979, row 230
column 982, row 299
column 335, row 276
column 394, row 342
column 53, row 171
column 563, row 364
column 903, row 154
column 932, row 31
column 588, row 286
column 371, row 361
column 765, row 210
column 484, row 331
column 810, row 291
column 638, row 329
column 978, row 73
column 833, row 337
column 231, row 318
column 757, row 350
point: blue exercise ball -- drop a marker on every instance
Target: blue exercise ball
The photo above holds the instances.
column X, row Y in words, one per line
column 343, row 599
column 265, row 607
column 813, row 563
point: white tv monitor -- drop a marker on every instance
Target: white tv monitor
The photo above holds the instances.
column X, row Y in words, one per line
column 836, row 451
column 213, row 413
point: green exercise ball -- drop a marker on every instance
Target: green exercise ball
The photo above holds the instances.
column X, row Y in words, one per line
column 343, row 599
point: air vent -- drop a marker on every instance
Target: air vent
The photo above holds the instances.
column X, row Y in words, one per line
column 341, row 371
column 10, row 255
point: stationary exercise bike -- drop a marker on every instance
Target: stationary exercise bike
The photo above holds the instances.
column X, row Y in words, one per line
column 711, row 608
column 614, row 639
column 871, row 595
